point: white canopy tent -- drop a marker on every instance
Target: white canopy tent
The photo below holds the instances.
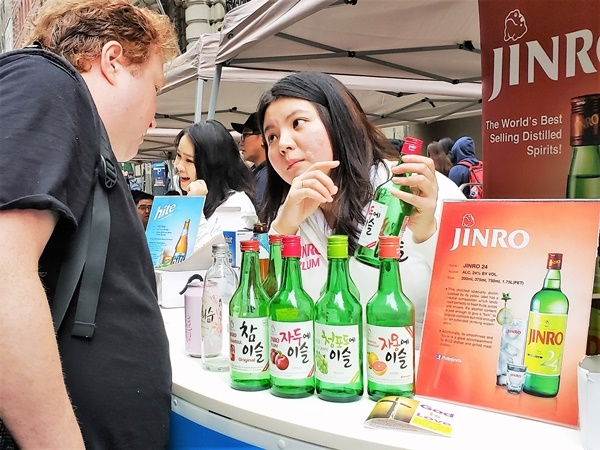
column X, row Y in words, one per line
column 389, row 97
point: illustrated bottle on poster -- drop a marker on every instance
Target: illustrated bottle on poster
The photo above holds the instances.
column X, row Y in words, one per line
column 584, row 173
column 248, row 328
column 192, row 305
column 260, row 234
column 593, row 345
column 182, row 244
column 338, row 331
column 291, row 317
column 546, row 333
column 387, row 214
column 390, row 329
column 220, row 283
column 273, row 278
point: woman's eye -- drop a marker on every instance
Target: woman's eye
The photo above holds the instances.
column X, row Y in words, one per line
column 191, row 161
column 271, row 138
column 298, row 122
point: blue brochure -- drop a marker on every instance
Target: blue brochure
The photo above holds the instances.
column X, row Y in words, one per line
column 172, row 228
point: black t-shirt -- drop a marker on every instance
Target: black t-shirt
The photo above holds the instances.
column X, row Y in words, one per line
column 120, row 380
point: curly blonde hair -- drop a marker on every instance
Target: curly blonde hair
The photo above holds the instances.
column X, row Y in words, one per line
column 78, row 29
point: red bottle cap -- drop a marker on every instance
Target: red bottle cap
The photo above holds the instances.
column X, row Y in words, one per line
column 412, row 146
column 249, row 246
column 274, row 239
column 554, row 261
column 290, row 246
column 389, row 247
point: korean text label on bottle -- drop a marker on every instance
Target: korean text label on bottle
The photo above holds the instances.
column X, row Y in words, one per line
column 248, row 353
column 291, row 349
column 390, row 353
column 337, row 353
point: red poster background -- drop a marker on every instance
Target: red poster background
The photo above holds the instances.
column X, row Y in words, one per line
column 460, row 370
column 513, row 170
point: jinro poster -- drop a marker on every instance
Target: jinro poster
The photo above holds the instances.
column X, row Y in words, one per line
column 172, row 228
column 509, row 304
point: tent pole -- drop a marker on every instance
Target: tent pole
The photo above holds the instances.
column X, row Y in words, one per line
column 214, row 93
column 199, row 91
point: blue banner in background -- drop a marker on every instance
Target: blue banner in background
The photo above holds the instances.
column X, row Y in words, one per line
column 158, row 173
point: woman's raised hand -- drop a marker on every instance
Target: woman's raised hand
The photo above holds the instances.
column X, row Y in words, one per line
column 197, row 187
column 307, row 192
column 423, row 195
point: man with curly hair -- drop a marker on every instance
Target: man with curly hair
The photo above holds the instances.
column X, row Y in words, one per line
column 59, row 390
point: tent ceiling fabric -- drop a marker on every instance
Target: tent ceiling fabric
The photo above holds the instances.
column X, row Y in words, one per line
column 384, row 38
column 256, row 56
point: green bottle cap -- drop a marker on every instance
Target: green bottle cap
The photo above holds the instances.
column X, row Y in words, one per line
column 337, row 246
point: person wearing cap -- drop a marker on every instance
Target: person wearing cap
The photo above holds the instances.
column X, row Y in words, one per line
column 253, row 150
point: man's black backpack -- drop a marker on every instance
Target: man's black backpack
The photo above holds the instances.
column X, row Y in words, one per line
column 85, row 258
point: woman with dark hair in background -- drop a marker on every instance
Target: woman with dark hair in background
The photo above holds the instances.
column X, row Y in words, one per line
column 325, row 160
column 208, row 163
column 441, row 160
column 447, row 144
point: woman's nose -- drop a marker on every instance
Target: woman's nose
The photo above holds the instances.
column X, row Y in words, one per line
column 285, row 142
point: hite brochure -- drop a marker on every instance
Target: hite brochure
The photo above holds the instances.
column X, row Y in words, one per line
column 486, row 343
column 172, row 228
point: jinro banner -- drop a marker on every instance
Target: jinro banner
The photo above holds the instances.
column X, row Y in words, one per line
column 538, row 58
column 508, row 306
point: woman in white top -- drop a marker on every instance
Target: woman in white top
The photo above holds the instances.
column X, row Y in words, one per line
column 208, row 163
column 325, row 160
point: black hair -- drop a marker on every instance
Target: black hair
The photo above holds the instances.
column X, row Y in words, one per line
column 356, row 143
column 218, row 163
column 141, row 195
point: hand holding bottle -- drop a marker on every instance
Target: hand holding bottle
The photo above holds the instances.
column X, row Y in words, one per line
column 423, row 195
column 307, row 192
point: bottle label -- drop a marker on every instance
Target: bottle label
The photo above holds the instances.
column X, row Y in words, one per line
column 212, row 323
column 337, row 353
column 545, row 340
column 263, row 245
column 373, row 225
column 390, row 354
column 248, row 344
column 292, row 349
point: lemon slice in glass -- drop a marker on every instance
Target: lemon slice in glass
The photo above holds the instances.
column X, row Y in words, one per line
column 504, row 316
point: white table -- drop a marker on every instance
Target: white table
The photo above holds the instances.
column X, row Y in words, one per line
column 266, row 421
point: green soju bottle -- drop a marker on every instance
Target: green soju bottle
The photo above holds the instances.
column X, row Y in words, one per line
column 546, row 333
column 390, row 330
column 387, row 214
column 273, row 279
column 291, row 329
column 584, row 173
column 248, row 328
column 338, row 331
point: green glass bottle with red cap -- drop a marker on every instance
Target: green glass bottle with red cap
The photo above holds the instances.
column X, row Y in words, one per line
column 338, row 331
column 248, row 325
column 291, row 329
column 390, row 330
column 387, row 215
column 273, row 279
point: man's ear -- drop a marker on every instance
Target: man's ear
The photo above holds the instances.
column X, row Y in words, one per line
column 110, row 60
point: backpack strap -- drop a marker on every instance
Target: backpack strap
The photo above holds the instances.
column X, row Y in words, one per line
column 85, row 259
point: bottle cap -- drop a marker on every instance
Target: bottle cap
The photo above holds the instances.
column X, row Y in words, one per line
column 290, row 246
column 389, row 247
column 260, row 228
column 554, row 261
column 412, row 146
column 337, row 246
column 274, row 239
column 222, row 249
column 249, row 246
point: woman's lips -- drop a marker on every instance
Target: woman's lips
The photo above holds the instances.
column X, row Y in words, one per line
column 292, row 163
